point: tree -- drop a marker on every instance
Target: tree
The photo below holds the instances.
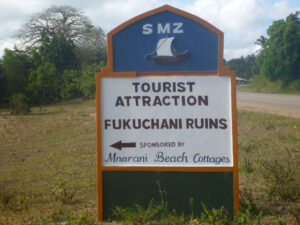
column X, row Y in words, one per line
column 261, row 42
column 87, row 79
column 91, row 48
column 280, row 59
column 62, row 48
column 2, row 85
column 245, row 67
column 70, row 84
column 16, row 67
column 43, row 83
column 18, row 104
column 60, row 52
column 56, row 21
column 65, row 23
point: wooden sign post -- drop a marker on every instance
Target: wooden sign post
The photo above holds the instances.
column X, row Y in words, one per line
column 166, row 115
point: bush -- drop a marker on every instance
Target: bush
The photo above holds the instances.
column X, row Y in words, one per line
column 87, row 80
column 262, row 84
column 70, row 88
column 294, row 86
column 18, row 104
column 281, row 180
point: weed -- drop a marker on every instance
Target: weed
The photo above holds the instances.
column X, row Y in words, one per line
column 248, row 203
column 215, row 216
column 152, row 214
column 247, row 218
column 280, row 179
column 249, row 145
column 247, row 166
column 253, row 145
column 164, row 199
column 68, row 217
column 61, row 193
column 61, row 142
column 79, row 218
column 191, row 204
column 140, row 215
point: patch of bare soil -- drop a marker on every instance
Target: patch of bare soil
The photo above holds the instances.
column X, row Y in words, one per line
column 284, row 110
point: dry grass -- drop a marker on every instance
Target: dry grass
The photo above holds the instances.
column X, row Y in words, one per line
column 48, row 164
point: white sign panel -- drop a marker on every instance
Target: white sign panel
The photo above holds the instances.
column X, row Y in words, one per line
column 167, row 121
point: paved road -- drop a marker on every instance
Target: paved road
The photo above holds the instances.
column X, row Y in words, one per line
column 288, row 105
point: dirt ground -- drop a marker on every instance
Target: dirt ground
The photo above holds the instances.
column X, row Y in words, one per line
column 286, row 105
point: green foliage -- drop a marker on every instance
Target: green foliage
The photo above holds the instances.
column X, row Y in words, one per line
column 18, row 104
column 280, row 179
column 294, row 86
column 215, row 216
column 70, row 87
column 154, row 214
column 15, row 66
column 140, row 215
column 3, row 85
column 44, row 83
column 245, row 67
column 68, row 217
column 261, row 42
column 247, row 202
column 62, row 49
column 247, row 218
column 58, row 51
column 87, row 80
column 247, row 165
column 280, row 57
column 260, row 83
column 37, row 148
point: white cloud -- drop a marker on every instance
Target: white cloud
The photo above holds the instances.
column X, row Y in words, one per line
column 110, row 14
column 7, row 44
column 279, row 10
column 242, row 21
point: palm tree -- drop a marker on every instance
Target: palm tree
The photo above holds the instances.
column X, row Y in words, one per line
column 262, row 43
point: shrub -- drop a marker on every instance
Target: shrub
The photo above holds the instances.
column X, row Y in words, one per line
column 294, row 86
column 280, row 179
column 18, row 104
column 215, row 216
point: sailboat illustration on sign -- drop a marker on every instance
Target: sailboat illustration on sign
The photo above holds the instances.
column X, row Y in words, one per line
column 165, row 53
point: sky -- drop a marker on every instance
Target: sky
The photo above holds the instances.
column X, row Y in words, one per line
column 242, row 21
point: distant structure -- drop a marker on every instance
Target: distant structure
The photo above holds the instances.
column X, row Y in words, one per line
column 240, row 80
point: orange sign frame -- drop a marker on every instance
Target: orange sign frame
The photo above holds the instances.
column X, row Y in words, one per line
column 108, row 73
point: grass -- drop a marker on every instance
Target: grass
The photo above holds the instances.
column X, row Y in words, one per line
column 261, row 84
column 48, row 170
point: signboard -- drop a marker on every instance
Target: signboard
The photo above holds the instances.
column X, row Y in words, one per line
column 154, row 34
column 167, row 121
column 166, row 114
